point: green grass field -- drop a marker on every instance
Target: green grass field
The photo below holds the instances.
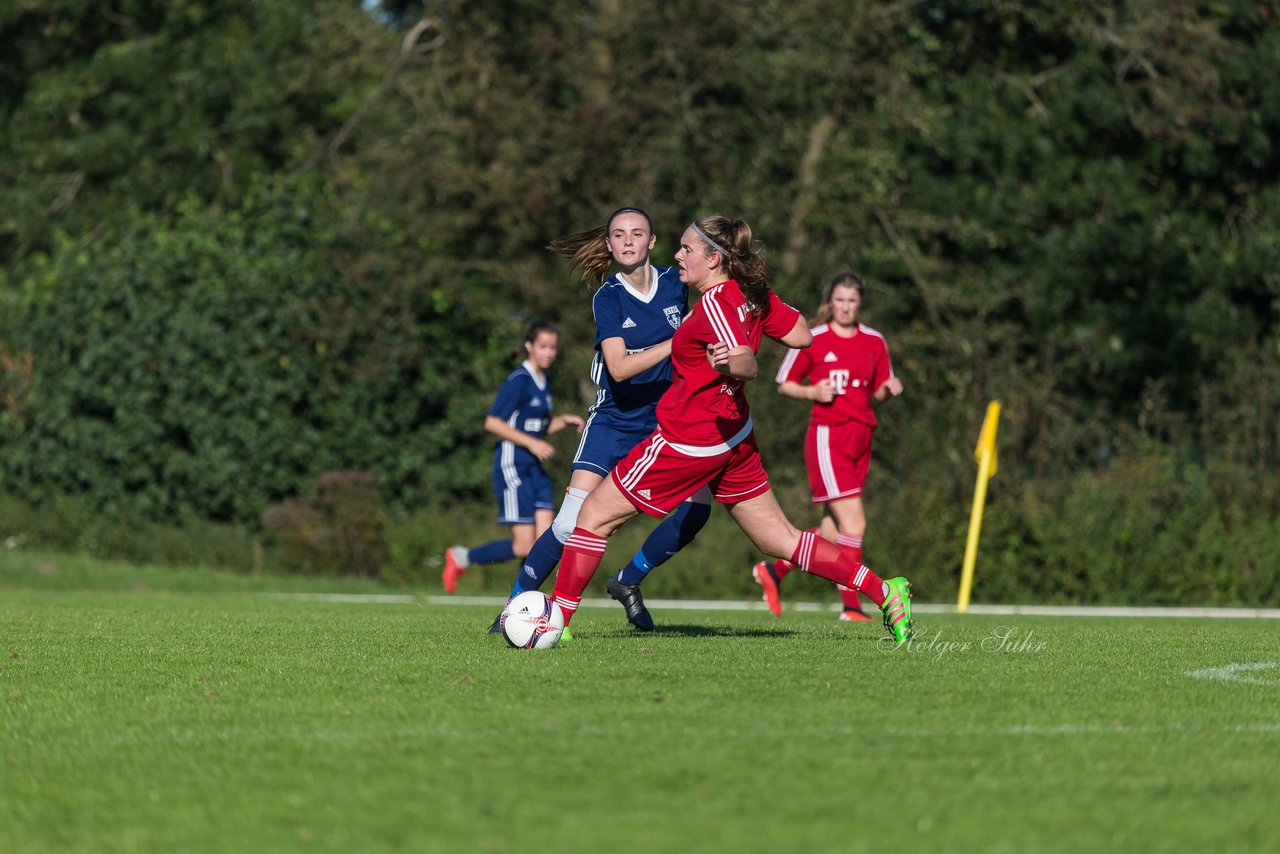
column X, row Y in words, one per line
column 154, row 710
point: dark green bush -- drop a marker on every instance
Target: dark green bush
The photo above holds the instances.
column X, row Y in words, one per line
column 73, row 525
column 339, row 530
column 210, row 364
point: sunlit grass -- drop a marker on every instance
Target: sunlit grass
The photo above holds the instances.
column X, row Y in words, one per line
column 199, row 716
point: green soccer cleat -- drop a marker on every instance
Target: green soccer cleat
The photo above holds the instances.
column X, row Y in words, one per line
column 565, row 637
column 897, row 609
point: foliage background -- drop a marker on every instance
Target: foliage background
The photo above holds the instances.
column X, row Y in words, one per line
column 245, row 244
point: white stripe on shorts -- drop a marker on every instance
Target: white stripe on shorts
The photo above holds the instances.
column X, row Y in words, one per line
column 646, row 461
column 822, row 441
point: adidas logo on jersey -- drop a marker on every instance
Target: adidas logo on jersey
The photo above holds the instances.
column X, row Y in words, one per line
column 643, row 493
column 628, row 324
column 830, row 357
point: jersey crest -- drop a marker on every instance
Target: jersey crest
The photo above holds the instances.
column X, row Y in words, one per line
column 673, row 315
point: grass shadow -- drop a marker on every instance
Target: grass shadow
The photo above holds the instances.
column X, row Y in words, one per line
column 702, row 631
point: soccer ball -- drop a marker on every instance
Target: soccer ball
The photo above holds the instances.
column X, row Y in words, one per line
column 532, row 621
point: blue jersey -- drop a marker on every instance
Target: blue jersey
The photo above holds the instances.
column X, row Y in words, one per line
column 641, row 322
column 524, row 402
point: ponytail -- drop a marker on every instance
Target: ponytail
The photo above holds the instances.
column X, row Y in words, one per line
column 743, row 261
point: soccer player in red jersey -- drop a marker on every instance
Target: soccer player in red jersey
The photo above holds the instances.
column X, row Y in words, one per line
column 704, row 435
column 842, row 373
column 637, row 307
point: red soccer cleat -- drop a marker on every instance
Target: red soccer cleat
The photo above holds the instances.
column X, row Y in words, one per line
column 768, row 579
column 451, row 571
column 853, row 615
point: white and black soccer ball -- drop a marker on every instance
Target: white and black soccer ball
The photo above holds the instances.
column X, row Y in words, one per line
column 532, row 621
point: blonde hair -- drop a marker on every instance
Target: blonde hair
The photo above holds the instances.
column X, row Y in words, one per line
column 844, row 277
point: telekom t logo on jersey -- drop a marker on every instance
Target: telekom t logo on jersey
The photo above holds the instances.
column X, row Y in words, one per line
column 839, row 380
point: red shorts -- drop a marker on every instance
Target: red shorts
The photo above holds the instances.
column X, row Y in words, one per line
column 837, row 458
column 656, row 477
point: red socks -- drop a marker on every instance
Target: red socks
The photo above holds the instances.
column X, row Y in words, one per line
column 582, row 554
column 782, row 567
column 829, row 561
column 849, row 598
column 584, row 551
column 851, row 546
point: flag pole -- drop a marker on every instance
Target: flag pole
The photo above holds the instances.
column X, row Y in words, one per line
column 985, row 454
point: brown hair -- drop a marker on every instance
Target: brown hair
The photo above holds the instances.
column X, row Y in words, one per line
column 531, row 334
column 743, row 261
column 587, row 250
column 846, row 278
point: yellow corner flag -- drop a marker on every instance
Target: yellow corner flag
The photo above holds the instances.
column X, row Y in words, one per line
column 985, row 454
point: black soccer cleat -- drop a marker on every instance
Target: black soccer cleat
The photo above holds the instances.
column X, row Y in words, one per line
column 496, row 628
column 629, row 596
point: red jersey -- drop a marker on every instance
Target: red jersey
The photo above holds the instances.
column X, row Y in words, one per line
column 856, row 367
column 704, row 408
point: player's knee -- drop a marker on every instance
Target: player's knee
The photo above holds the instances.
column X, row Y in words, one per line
column 564, row 523
column 567, row 519
column 697, row 514
column 697, row 510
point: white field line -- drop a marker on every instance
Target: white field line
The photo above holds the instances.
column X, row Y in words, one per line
column 363, row 598
column 1231, row 673
column 737, row 605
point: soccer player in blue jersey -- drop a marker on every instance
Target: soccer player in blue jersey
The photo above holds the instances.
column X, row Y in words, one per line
column 520, row 417
column 637, row 309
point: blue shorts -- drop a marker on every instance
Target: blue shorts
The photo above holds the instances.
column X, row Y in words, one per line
column 521, row 490
column 602, row 446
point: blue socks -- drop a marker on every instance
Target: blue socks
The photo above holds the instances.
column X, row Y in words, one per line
column 672, row 534
column 540, row 563
column 494, row 552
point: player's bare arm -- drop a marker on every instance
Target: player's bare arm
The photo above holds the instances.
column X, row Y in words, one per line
column 799, row 337
column 891, row 387
column 559, row 422
column 738, row 362
column 623, row 365
column 820, row 392
column 540, row 448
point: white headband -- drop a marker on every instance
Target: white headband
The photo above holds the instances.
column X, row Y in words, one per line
column 709, row 241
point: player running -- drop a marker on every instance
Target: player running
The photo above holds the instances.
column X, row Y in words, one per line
column 637, row 308
column 704, row 436
column 843, row 373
